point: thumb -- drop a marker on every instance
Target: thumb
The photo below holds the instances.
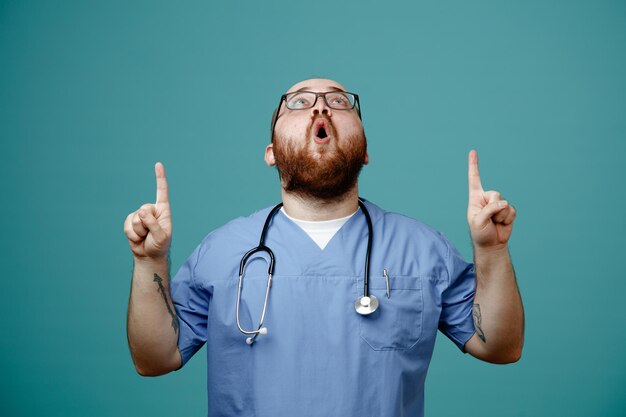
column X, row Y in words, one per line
column 158, row 234
column 484, row 216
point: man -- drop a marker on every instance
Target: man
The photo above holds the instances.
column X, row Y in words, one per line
column 320, row 343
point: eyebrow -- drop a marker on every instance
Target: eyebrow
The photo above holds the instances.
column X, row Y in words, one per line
column 306, row 88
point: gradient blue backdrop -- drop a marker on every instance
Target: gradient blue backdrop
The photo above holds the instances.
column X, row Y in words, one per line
column 93, row 93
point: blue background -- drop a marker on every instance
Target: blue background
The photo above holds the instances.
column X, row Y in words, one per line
column 93, row 93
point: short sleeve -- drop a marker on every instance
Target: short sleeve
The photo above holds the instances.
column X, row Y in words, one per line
column 191, row 308
column 457, row 299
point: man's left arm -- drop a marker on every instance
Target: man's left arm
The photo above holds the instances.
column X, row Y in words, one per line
column 497, row 311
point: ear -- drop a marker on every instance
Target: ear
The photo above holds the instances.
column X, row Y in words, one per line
column 269, row 155
column 367, row 158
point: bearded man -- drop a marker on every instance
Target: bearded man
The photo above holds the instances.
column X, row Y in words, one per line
column 325, row 304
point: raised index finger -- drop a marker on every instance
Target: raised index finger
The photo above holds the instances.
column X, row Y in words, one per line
column 162, row 195
column 473, row 176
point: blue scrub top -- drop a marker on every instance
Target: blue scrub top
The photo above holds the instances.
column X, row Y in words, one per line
column 319, row 357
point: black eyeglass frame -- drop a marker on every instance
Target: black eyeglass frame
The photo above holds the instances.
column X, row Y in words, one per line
column 356, row 104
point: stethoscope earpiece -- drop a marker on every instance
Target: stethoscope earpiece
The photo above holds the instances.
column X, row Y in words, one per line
column 250, row 339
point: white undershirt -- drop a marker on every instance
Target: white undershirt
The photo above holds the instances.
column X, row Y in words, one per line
column 320, row 231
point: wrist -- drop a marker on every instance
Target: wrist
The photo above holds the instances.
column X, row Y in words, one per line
column 493, row 250
column 492, row 261
column 159, row 263
column 491, row 257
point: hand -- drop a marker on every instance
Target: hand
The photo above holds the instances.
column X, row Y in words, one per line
column 149, row 229
column 490, row 217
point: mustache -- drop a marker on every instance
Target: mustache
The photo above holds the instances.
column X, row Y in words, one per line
column 328, row 125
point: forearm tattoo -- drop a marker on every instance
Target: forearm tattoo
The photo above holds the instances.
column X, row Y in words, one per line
column 159, row 281
column 477, row 319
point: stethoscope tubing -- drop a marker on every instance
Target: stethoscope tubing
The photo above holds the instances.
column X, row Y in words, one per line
column 361, row 308
column 368, row 219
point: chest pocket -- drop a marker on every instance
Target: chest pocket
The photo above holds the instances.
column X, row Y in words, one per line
column 397, row 323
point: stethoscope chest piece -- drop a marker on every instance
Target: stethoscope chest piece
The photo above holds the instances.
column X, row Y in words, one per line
column 366, row 305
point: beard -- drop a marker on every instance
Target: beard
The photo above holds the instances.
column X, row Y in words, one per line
column 324, row 174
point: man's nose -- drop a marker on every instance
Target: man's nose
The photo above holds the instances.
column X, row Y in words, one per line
column 320, row 107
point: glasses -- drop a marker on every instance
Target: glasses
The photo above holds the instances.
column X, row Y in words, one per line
column 303, row 100
column 338, row 100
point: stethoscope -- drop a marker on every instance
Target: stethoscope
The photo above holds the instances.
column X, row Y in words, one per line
column 364, row 305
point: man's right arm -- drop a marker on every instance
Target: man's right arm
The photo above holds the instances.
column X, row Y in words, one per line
column 152, row 325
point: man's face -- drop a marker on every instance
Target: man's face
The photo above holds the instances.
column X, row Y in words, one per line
column 320, row 151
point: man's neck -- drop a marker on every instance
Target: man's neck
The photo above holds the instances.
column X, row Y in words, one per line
column 313, row 209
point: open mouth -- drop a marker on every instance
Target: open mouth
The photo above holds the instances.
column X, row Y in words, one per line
column 322, row 131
